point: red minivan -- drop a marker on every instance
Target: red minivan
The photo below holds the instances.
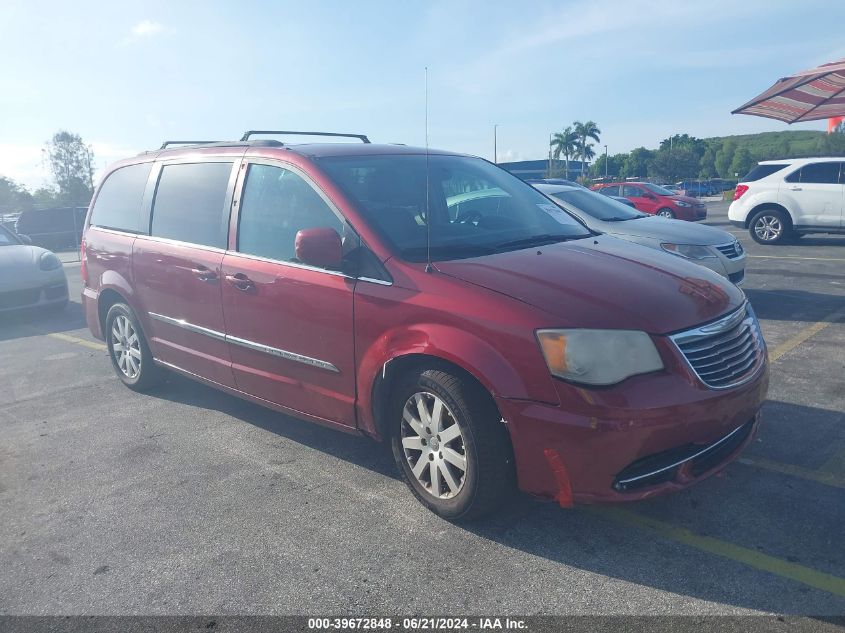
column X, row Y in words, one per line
column 654, row 199
column 431, row 300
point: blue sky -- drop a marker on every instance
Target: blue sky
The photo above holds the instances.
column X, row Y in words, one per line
column 128, row 75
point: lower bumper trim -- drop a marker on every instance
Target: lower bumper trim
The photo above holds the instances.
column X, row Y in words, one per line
column 694, row 458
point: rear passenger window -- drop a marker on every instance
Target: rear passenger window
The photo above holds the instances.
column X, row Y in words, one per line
column 613, row 190
column 819, row 173
column 190, row 203
column 275, row 205
column 118, row 205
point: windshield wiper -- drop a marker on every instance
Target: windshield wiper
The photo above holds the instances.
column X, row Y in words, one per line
column 537, row 240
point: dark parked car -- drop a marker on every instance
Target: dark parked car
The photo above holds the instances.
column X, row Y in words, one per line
column 56, row 228
column 431, row 300
column 697, row 188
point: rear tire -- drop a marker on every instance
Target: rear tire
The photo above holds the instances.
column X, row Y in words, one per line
column 666, row 213
column 770, row 226
column 128, row 350
column 450, row 445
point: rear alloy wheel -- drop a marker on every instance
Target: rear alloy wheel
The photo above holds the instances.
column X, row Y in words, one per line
column 130, row 355
column 450, row 444
column 666, row 213
column 769, row 227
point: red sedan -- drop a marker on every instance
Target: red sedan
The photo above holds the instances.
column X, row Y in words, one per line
column 650, row 198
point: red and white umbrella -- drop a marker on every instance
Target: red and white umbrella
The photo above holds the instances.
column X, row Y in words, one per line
column 806, row 96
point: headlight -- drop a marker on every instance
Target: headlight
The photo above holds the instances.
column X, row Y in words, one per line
column 681, row 203
column 598, row 357
column 49, row 261
column 689, row 251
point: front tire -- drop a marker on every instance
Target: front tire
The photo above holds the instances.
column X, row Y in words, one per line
column 770, row 226
column 128, row 349
column 450, row 445
column 666, row 213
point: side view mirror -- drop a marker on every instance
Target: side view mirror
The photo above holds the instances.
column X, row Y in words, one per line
column 319, row 247
column 650, row 196
column 26, row 239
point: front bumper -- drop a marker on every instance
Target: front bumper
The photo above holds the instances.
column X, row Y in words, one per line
column 49, row 294
column 733, row 269
column 580, row 452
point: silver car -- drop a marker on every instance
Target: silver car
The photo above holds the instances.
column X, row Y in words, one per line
column 716, row 249
column 30, row 276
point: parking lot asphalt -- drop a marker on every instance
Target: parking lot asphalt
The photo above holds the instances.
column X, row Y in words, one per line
column 185, row 500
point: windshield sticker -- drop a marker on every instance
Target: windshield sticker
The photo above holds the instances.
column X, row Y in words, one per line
column 556, row 212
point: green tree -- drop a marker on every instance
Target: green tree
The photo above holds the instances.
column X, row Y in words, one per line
column 783, row 148
column 615, row 163
column 584, row 131
column 636, row 164
column 724, row 157
column 45, row 197
column 14, row 197
column 564, row 144
column 707, row 164
column 696, row 145
column 677, row 164
column 72, row 165
column 742, row 162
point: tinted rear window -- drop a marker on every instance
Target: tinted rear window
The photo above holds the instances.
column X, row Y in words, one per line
column 118, row 205
column 761, row 171
column 821, row 173
column 190, row 203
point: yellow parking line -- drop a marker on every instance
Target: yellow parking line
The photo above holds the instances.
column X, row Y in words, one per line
column 752, row 558
column 820, row 259
column 790, row 344
column 825, row 477
column 78, row 341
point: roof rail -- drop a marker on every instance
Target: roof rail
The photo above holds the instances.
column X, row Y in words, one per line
column 166, row 143
column 362, row 137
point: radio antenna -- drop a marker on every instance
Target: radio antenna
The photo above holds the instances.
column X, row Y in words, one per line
column 428, row 267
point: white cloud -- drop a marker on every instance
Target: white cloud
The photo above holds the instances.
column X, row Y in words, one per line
column 145, row 28
column 23, row 163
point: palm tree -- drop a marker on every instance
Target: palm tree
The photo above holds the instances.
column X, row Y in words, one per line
column 564, row 143
column 584, row 131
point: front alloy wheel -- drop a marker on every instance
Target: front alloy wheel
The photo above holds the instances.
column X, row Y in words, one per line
column 433, row 445
column 449, row 443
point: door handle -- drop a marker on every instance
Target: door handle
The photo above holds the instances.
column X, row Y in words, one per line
column 204, row 274
column 795, row 188
column 240, row 281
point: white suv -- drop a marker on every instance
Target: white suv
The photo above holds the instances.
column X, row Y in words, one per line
column 780, row 199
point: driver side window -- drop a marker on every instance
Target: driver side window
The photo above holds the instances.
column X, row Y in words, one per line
column 630, row 191
column 277, row 203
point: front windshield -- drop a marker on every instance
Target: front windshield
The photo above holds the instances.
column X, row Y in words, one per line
column 658, row 190
column 598, row 206
column 6, row 238
column 476, row 208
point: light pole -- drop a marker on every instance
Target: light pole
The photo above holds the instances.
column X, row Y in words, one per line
column 495, row 151
column 605, row 162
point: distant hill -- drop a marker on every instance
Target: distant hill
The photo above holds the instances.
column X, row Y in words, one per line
column 768, row 145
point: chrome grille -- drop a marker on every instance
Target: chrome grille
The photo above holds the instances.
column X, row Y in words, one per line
column 731, row 250
column 726, row 352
